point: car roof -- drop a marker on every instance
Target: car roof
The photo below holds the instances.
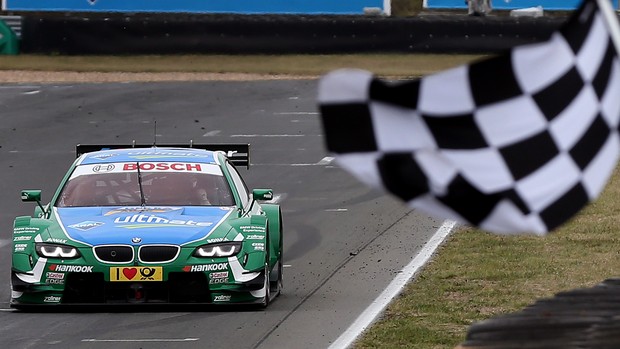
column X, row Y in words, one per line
column 154, row 154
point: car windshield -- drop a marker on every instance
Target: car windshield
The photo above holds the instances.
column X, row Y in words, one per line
column 153, row 184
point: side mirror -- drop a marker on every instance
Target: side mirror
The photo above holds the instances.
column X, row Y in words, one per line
column 262, row 194
column 31, row 195
column 34, row 195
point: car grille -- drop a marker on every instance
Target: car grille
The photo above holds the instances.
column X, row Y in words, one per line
column 114, row 253
column 158, row 253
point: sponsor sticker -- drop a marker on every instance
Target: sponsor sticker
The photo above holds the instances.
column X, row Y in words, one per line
column 141, row 210
column 136, row 274
column 214, row 240
column 205, row 267
column 150, row 220
column 54, row 282
column 255, row 237
column 104, row 156
column 103, row 168
column 86, row 225
column 51, row 299
column 163, row 166
column 252, row 229
column 220, row 277
column 222, row 298
column 25, row 230
column 22, row 238
column 258, row 246
column 58, row 241
column 57, row 276
column 71, row 268
column 20, row 247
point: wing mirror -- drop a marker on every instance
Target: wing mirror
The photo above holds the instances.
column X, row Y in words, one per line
column 33, row 195
column 262, row 194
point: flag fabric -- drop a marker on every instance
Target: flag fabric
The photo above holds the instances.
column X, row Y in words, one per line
column 517, row 143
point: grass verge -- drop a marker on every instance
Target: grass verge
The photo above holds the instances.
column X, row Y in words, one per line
column 476, row 275
column 403, row 65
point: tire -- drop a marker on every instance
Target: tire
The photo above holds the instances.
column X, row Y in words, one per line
column 276, row 283
column 267, row 286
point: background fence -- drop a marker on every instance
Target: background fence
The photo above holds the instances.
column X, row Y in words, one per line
column 201, row 6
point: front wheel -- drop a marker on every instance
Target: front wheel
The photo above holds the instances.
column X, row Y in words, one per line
column 276, row 278
column 267, row 287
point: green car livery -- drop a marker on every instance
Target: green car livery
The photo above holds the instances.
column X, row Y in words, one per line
column 149, row 225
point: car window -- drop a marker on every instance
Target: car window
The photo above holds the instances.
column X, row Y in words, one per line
column 180, row 185
column 241, row 188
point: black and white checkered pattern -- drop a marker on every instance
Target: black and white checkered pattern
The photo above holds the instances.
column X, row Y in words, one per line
column 516, row 143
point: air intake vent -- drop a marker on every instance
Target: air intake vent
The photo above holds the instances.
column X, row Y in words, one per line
column 114, row 253
column 158, row 253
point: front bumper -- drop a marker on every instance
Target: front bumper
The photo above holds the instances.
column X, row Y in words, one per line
column 179, row 288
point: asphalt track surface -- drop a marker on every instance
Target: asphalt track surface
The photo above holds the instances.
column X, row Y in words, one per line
column 343, row 243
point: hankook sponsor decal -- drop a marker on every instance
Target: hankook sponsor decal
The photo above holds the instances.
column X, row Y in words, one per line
column 71, row 268
column 205, row 267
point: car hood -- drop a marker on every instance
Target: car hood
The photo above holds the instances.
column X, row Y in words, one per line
column 151, row 225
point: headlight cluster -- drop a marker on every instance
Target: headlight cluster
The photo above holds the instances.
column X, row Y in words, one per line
column 56, row 251
column 225, row 249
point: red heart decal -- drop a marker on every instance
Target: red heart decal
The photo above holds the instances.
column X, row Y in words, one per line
column 130, row 272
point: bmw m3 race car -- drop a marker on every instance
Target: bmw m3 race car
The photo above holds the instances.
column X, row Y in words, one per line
column 141, row 224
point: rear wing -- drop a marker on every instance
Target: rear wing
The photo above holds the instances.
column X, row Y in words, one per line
column 238, row 154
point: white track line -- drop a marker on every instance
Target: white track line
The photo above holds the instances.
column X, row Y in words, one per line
column 368, row 316
column 143, row 340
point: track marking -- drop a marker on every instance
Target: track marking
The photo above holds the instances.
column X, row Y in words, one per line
column 298, row 113
column 323, row 162
column 143, row 340
column 368, row 316
column 32, row 92
column 326, row 160
column 337, row 210
column 211, row 133
column 255, row 135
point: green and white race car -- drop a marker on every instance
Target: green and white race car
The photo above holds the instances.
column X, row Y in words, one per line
column 139, row 224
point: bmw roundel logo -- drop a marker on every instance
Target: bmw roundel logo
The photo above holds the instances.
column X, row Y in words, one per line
column 136, row 240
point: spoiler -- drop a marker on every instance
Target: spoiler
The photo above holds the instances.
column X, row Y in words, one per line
column 238, row 154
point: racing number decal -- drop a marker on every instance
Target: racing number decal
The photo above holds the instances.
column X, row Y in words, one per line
column 136, row 274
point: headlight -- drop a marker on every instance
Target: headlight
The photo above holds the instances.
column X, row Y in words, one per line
column 225, row 249
column 56, row 251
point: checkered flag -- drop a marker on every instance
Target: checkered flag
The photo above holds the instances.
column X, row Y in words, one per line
column 516, row 143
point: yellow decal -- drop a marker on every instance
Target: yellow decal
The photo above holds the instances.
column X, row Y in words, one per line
column 136, row 274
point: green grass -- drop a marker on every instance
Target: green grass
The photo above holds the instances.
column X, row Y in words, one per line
column 476, row 275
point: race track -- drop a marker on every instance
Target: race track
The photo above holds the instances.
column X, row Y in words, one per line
column 343, row 243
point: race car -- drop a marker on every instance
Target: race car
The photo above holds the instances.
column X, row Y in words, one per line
column 142, row 224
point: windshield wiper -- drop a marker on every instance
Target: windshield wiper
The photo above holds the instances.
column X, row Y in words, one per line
column 142, row 199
